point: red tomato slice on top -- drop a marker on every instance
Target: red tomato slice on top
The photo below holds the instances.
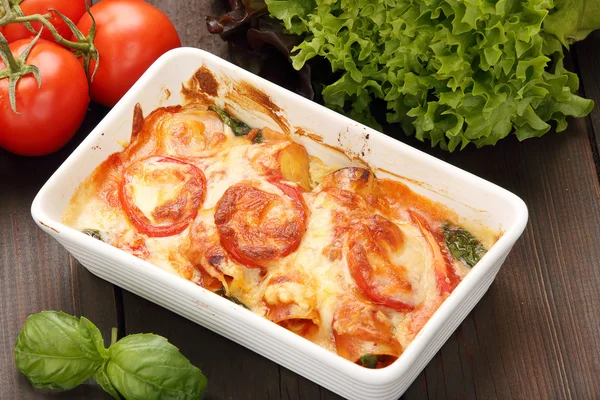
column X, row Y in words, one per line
column 447, row 280
column 162, row 195
column 256, row 225
column 370, row 244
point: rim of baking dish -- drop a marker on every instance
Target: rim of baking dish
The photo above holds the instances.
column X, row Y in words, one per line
column 384, row 376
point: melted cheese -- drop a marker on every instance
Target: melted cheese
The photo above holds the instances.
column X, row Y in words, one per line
column 313, row 281
column 155, row 186
column 417, row 258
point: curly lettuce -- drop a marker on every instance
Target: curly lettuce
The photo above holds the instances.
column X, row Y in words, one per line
column 451, row 72
column 572, row 20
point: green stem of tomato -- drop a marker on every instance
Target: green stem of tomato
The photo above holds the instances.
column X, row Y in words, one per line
column 4, row 12
column 83, row 47
column 13, row 65
column 16, row 68
column 10, row 12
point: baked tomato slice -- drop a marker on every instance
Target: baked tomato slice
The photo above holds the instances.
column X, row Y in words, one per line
column 162, row 195
column 446, row 277
column 259, row 222
column 370, row 247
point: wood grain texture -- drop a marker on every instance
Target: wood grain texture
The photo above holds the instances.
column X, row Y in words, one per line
column 588, row 64
column 535, row 334
column 188, row 18
column 36, row 273
column 220, row 359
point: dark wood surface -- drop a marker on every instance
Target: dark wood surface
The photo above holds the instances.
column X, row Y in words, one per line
column 535, row 334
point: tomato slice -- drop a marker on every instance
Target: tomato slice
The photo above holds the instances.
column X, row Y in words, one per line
column 369, row 260
column 447, row 280
column 162, row 195
column 256, row 225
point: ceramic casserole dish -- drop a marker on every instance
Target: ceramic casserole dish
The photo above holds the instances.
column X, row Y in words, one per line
column 470, row 197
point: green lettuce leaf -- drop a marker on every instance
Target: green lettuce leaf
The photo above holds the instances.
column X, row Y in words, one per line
column 450, row 72
column 291, row 13
column 572, row 20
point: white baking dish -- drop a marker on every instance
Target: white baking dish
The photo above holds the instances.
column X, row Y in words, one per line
column 471, row 197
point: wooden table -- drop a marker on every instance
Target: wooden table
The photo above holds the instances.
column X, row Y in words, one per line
column 535, row 334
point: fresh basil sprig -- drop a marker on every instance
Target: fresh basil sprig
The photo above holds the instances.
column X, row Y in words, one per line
column 58, row 351
column 55, row 350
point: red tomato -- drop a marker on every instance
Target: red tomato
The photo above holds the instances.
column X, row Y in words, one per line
column 369, row 248
column 256, row 226
column 49, row 115
column 72, row 9
column 447, row 280
column 163, row 175
column 131, row 35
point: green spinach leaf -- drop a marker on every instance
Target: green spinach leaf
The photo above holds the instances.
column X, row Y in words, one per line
column 55, row 350
column 238, row 127
column 463, row 245
column 147, row 367
column 369, row 360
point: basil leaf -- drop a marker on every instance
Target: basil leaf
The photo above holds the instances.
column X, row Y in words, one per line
column 101, row 377
column 463, row 246
column 238, row 127
column 55, row 350
column 369, row 360
column 91, row 333
column 147, row 367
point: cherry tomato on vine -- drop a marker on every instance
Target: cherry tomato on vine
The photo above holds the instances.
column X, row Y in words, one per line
column 130, row 36
column 49, row 115
column 72, row 9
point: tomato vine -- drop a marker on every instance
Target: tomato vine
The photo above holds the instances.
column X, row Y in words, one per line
column 11, row 13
